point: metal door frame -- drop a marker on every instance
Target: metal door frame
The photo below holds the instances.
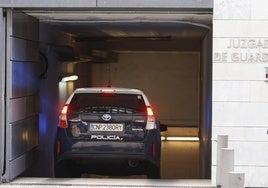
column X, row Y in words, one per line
column 3, row 92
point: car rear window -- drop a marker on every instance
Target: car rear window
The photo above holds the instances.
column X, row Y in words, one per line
column 107, row 103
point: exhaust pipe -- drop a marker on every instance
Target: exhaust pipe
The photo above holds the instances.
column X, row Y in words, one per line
column 133, row 163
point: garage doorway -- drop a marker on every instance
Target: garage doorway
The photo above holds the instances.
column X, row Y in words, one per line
column 166, row 54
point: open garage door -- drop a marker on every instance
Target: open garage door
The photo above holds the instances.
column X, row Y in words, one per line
column 174, row 47
column 168, row 55
column 21, row 93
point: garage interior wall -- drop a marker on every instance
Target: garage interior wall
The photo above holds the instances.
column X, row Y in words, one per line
column 22, row 92
column 169, row 79
column 53, row 47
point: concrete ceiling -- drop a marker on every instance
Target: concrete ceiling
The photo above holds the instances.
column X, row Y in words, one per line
column 109, row 26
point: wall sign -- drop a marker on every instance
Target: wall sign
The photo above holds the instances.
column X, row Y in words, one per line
column 243, row 50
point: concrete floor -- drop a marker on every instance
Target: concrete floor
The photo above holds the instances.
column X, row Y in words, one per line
column 92, row 182
column 180, row 160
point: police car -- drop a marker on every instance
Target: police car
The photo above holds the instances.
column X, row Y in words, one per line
column 107, row 131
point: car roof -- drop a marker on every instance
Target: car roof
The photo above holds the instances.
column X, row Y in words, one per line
column 107, row 89
column 110, row 89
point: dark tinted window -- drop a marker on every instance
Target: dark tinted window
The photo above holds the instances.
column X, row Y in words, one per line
column 107, row 103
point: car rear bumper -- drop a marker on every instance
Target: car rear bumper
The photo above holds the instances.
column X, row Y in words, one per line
column 107, row 151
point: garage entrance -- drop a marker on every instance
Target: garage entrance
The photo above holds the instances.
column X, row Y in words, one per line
column 167, row 54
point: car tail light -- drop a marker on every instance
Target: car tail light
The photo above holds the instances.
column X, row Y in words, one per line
column 150, row 119
column 150, row 111
column 153, row 149
column 63, row 117
column 58, row 146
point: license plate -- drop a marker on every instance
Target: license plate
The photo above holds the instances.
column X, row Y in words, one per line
column 115, row 127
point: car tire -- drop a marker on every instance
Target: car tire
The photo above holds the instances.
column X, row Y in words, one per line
column 63, row 170
column 153, row 172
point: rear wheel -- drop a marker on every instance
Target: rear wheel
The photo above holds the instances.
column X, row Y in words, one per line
column 153, row 172
column 64, row 170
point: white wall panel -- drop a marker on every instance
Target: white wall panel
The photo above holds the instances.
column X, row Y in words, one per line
column 244, row 91
column 250, row 153
column 249, row 134
column 240, row 28
column 239, row 71
column 246, row 153
column 240, row 114
column 259, row 9
column 232, row 9
column 255, row 176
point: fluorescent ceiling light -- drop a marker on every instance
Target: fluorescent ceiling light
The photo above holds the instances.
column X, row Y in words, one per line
column 69, row 78
column 179, row 138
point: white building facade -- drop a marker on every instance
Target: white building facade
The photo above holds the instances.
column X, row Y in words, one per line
column 240, row 87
